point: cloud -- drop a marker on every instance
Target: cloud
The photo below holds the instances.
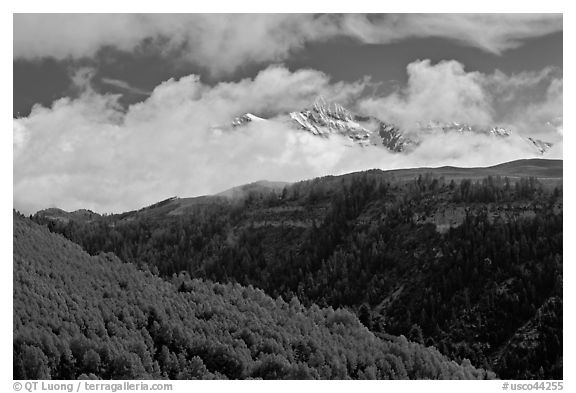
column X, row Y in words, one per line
column 222, row 43
column 439, row 92
column 527, row 102
column 81, row 78
column 49, row 35
column 125, row 86
column 89, row 153
column 494, row 33
column 544, row 117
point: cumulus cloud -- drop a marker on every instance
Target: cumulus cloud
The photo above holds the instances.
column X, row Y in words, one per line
column 528, row 102
column 89, row 153
column 543, row 117
column 224, row 42
column 438, row 92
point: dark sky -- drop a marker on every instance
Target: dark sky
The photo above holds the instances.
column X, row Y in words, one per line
column 46, row 79
column 347, row 60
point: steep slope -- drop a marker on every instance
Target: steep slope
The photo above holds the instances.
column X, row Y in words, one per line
column 536, row 342
column 77, row 316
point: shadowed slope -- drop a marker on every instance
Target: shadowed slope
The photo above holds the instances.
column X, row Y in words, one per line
column 77, row 316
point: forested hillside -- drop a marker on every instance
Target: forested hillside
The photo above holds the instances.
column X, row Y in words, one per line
column 470, row 266
column 81, row 316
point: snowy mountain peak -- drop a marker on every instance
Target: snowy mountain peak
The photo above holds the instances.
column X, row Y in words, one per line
column 326, row 119
column 245, row 118
column 540, row 145
column 393, row 138
column 500, row 131
column 333, row 110
column 464, row 127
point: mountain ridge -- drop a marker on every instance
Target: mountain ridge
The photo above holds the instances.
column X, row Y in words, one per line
column 324, row 119
column 551, row 169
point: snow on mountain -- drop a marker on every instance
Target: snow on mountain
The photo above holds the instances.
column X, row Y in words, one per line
column 464, row 128
column 325, row 119
column 246, row 118
column 540, row 145
column 393, row 138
